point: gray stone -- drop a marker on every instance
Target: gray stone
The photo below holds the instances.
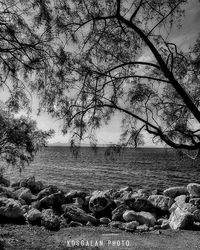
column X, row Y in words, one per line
column 165, row 224
column 130, row 215
column 105, row 220
column 11, row 209
column 117, row 213
column 47, row 202
column 47, row 191
column 25, row 194
column 195, row 202
column 7, row 192
column 142, row 217
column 142, row 228
column 194, row 190
column 196, row 215
column 49, row 220
column 76, row 214
column 173, row 192
column 115, row 224
column 140, row 204
column 181, row 199
column 99, row 202
column 180, row 219
column 131, row 226
column 161, row 201
column 34, row 216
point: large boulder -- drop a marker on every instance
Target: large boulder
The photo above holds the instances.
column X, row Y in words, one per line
column 173, row 192
column 74, row 213
column 50, row 220
column 25, row 194
column 100, row 204
column 140, row 204
column 47, row 191
column 34, row 216
column 11, row 211
column 194, row 190
column 180, row 219
column 117, row 213
column 142, row 217
column 46, row 202
column 7, row 192
column 161, row 201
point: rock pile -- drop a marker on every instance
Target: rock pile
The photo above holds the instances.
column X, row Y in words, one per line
column 29, row 201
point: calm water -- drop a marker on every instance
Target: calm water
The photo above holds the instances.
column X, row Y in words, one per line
column 140, row 168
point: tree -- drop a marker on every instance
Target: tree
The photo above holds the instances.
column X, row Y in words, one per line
column 107, row 56
column 20, row 139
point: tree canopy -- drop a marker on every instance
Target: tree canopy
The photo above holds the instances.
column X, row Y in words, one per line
column 90, row 58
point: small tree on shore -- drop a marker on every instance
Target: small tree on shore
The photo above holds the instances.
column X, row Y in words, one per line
column 20, row 139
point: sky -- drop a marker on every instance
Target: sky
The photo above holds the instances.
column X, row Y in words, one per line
column 183, row 37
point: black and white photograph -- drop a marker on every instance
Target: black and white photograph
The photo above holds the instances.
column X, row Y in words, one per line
column 99, row 124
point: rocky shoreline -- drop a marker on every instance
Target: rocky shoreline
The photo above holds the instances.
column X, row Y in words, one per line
column 29, row 201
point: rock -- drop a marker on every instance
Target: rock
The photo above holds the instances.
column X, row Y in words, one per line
column 75, row 224
column 50, row 220
column 74, row 213
column 130, row 215
column 165, row 224
column 11, row 210
column 79, row 202
column 196, row 215
column 105, row 220
column 196, row 226
column 142, row 217
column 195, row 202
column 117, row 213
column 100, row 204
column 142, row 228
column 36, row 205
column 131, row 226
column 47, row 191
column 25, row 208
column 181, row 199
column 89, row 224
column 58, row 198
column 147, row 218
column 160, row 221
column 180, row 219
column 25, row 194
column 194, row 190
column 34, row 216
column 160, row 201
column 143, row 193
column 185, row 207
column 173, row 192
column 46, row 202
column 39, row 186
column 4, row 181
column 140, row 204
column 74, row 194
column 115, row 224
column 7, row 192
